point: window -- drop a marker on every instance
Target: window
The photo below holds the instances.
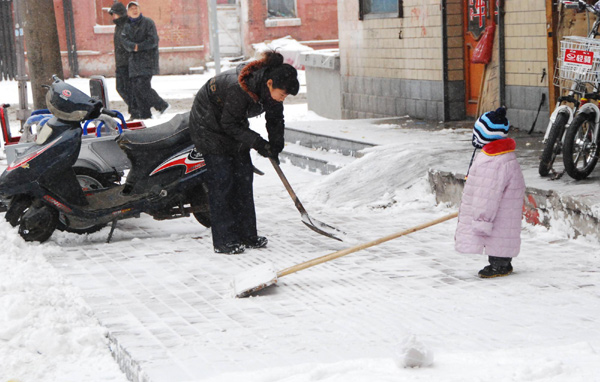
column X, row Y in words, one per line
column 372, row 9
column 102, row 16
column 282, row 8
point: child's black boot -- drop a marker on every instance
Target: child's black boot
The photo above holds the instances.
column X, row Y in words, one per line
column 499, row 266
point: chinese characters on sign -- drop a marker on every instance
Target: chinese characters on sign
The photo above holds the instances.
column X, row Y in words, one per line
column 578, row 57
column 477, row 11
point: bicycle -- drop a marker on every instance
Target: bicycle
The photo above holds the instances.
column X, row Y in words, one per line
column 577, row 66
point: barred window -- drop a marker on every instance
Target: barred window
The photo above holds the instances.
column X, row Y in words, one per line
column 102, row 16
column 282, row 8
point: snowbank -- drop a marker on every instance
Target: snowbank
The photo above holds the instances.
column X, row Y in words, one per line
column 289, row 48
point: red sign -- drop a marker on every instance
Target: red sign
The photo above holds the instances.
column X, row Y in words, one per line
column 580, row 57
column 477, row 10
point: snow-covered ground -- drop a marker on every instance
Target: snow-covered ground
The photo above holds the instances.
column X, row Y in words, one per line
column 367, row 317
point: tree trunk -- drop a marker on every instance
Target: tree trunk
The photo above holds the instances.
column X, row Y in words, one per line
column 43, row 50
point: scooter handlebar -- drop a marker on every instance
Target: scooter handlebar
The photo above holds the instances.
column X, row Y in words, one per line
column 110, row 113
column 582, row 6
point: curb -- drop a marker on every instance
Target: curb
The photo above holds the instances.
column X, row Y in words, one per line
column 541, row 207
column 128, row 365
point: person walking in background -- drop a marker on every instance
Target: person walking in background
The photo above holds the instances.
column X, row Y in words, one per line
column 491, row 209
column 221, row 132
column 119, row 15
column 140, row 38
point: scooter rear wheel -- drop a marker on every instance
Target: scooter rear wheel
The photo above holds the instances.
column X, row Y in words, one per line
column 88, row 180
column 199, row 200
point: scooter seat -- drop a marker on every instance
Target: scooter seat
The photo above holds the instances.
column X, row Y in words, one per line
column 167, row 135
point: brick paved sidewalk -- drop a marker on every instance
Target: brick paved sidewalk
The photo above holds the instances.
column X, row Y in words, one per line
column 165, row 298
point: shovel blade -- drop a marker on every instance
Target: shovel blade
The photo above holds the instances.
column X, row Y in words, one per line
column 253, row 280
column 322, row 228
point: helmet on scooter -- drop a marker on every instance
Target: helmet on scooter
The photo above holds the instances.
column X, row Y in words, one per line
column 70, row 104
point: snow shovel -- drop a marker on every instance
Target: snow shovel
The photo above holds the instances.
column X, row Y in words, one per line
column 265, row 275
column 315, row 225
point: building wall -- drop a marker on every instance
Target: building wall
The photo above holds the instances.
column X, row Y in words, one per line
column 182, row 27
column 394, row 66
column 526, row 61
column 316, row 24
column 455, row 57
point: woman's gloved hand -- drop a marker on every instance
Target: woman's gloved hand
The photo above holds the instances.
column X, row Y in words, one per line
column 264, row 148
column 277, row 145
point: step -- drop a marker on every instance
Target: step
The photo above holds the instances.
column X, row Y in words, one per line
column 313, row 140
column 319, row 152
column 314, row 159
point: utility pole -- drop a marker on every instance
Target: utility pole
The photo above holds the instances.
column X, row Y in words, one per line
column 23, row 111
column 71, row 41
column 214, row 35
column 43, row 49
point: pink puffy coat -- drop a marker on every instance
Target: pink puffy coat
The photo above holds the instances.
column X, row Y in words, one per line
column 492, row 203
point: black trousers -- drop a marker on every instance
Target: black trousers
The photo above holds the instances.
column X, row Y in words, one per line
column 146, row 97
column 231, row 199
column 124, row 88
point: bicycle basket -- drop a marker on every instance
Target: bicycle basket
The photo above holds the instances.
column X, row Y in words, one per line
column 579, row 62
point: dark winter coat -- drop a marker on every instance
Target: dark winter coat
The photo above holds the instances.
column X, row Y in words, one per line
column 141, row 32
column 219, row 116
column 121, row 54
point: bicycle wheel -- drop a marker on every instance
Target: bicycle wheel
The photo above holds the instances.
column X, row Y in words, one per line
column 553, row 145
column 580, row 153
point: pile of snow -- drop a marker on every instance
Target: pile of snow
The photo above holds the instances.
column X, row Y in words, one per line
column 384, row 176
column 289, row 48
column 47, row 331
column 413, row 353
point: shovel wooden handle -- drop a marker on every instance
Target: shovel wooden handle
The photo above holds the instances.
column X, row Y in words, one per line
column 356, row 248
column 288, row 187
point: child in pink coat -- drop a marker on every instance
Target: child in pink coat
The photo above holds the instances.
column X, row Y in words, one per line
column 489, row 219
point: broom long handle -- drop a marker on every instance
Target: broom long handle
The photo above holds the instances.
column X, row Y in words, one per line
column 356, row 248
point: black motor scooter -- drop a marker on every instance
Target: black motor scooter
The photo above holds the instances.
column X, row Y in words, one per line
column 42, row 193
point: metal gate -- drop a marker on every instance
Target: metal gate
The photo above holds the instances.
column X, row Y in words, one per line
column 8, row 56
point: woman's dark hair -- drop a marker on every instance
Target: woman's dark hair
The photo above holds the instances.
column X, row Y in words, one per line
column 284, row 76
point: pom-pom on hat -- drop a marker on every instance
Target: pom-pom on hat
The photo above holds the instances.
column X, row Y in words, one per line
column 491, row 126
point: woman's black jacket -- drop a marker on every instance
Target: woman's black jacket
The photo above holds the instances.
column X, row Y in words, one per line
column 219, row 116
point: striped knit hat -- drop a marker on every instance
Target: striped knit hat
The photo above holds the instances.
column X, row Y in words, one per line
column 489, row 127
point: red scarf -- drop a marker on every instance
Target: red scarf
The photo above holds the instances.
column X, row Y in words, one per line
column 499, row 147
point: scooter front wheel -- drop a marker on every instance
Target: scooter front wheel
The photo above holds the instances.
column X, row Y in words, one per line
column 38, row 223
column 16, row 208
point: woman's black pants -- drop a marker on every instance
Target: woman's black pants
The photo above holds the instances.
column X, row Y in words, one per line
column 229, row 180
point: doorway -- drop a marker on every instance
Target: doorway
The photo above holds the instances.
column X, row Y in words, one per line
column 228, row 21
column 474, row 23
